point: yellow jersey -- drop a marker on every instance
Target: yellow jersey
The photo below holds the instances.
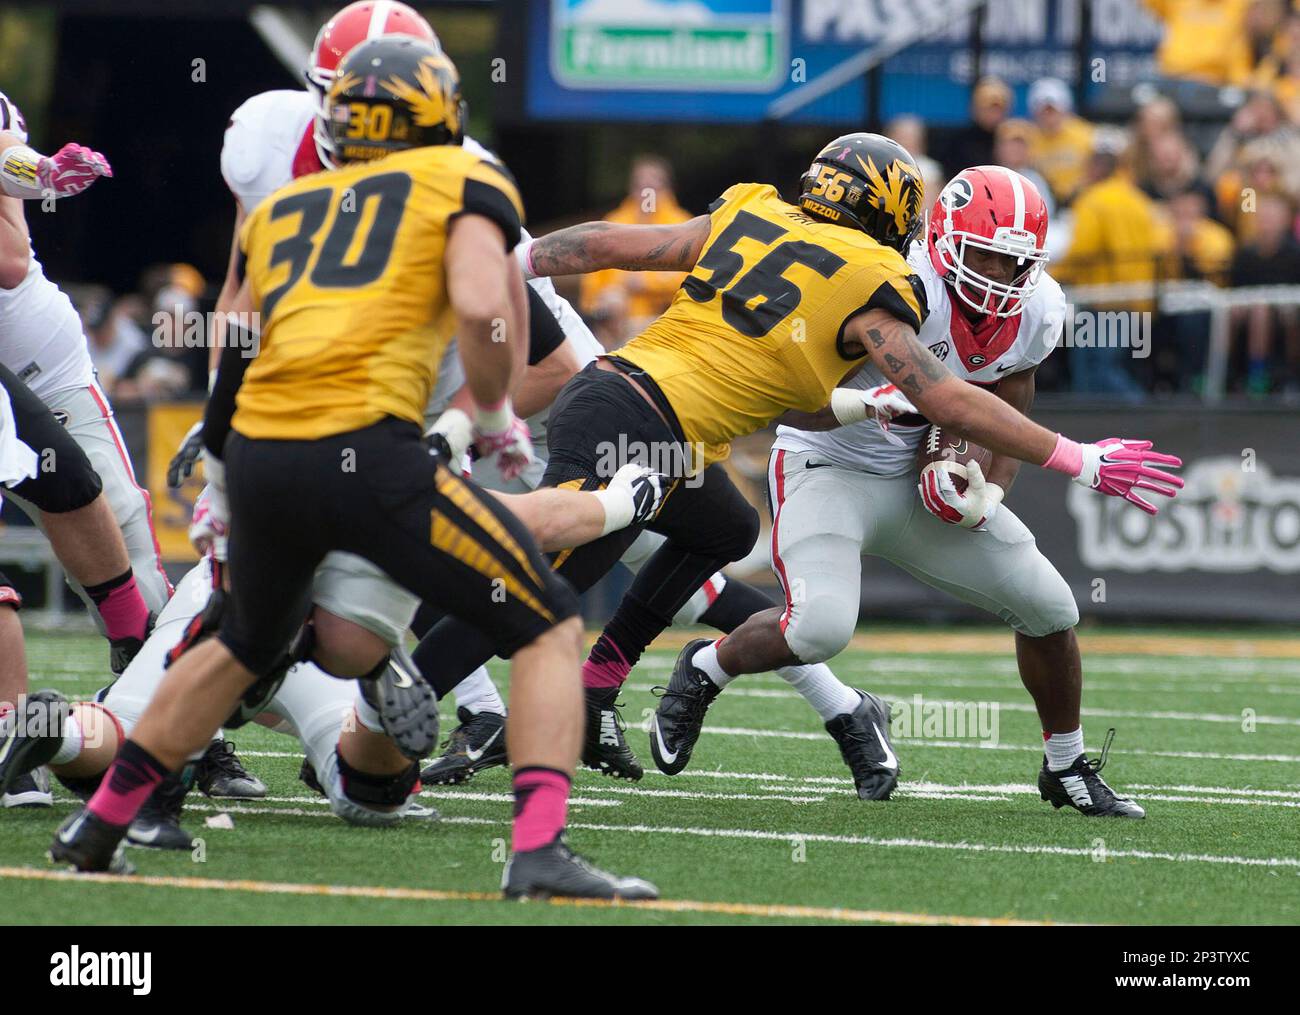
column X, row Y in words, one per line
column 757, row 326
column 346, row 268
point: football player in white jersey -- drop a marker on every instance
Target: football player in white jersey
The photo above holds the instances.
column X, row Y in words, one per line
column 42, row 342
column 994, row 316
column 280, row 135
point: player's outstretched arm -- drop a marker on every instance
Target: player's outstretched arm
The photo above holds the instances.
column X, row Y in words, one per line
column 30, row 176
column 1115, row 467
column 594, row 246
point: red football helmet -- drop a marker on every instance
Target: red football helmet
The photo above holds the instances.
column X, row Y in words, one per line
column 994, row 209
column 355, row 24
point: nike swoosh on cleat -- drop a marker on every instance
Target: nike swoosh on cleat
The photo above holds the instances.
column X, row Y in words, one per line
column 890, row 762
column 404, row 679
column 148, row 837
column 668, row 756
column 475, row 755
column 66, row 835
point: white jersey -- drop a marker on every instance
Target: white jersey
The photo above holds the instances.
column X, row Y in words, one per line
column 17, row 460
column 1019, row 344
column 269, row 143
column 40, row 333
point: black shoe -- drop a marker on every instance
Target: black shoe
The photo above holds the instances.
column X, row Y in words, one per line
column 307, row 776
column 479, row 742
column 122, row 650
column 220, row 773
column 158, row 825
column 680, row 716
column 407, row 706
column 30, row 736
column 86, row 843
column 1081, row 786
column 603, row 747
column 556, row 870
column 31, row 789
column 863, row 736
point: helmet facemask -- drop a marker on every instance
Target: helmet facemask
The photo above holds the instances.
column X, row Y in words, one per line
column 982, row 294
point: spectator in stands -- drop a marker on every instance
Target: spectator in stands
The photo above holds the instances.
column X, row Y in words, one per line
column 1279, row 72
column 623, row 303
column 1260, row 117
column 909, row 131
column 972, row 145
column 114, row 336
column 1063, row 142
column 1153, row 119
column 1262, row 170
column 1204, row 39
column 1172, row 168
column 1119, row 238
column 1263, row 25
column 1272, row 257
column 175, row 361
column 1011, row 148
column 1201, row 250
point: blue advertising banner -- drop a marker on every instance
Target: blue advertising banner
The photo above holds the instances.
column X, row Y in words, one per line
column 728, row 60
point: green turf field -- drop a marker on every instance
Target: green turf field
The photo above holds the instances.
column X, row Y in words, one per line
column 764, row 827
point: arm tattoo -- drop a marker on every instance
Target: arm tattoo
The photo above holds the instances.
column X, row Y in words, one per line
column 903, row 358
column 877, row 339
column 568, row 251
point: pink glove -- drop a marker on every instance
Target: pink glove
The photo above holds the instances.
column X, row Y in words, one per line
column 1117, row 467
column 71, row 170
column 500, row 434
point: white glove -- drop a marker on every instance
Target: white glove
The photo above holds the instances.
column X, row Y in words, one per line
column 456, row 429
column 883, row 404
column 500, row 434
column 972, row 509
column 633, row 497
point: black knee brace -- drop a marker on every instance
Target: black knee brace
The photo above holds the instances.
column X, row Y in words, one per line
column 65, row 480
column 377, row 790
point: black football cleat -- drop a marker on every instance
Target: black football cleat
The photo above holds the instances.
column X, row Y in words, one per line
column 121, row 651
column 30, row 736
column 863, row 738
column 31, row 789
column 407, row 706
column 158, row 825
column 307, row 776
column 680, row 716
column 478, row 743
column 220, row 774
column 555, row 870
column 603, row 747
column 85, row 843
column 1081, row 786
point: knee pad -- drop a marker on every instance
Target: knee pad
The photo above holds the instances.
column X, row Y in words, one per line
column 819, row 628
column 377, row 790
column 1045, row 605
column 72, row 486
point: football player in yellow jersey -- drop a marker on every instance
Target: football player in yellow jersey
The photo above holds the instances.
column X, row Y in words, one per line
column 782, row 304
column 362, row 275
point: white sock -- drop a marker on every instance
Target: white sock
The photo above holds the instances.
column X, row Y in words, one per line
column 822, row 689
column 1062, row 749
column 706, row 659
column 478, row 694
column 73, row 740
column 367, row 714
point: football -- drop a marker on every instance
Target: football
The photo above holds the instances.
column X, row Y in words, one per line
column 939, row 446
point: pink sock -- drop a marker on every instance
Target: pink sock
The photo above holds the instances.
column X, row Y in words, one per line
column 124, row 612
column 126, row 785
column 541, row 807
column 606, row 666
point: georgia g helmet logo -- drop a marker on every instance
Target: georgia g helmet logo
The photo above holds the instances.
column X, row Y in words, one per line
column 957, row 194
